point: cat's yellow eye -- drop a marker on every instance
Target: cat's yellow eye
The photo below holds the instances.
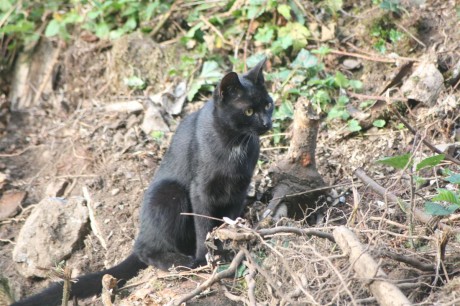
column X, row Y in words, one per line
column 268, row 106
column 249, row 112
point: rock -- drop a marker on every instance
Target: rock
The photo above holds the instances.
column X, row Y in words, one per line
column 10, row 203
column 153, row 120
column 351, row 64
column 50, row 234
column 424, row 85
column 56, row 188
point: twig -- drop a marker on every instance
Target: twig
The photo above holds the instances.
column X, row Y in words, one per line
column 213, row 279
column 163, row 19
column 66, row 288
column 202, row 216
column 418, row 214
column 20, row 152
column 314, row 190
column 92, row 218
column 213, row 28
column 373, row 58
column 410, row 34
column 426, row 142
column 410, row 261
column 251, row 283
column 294, row 230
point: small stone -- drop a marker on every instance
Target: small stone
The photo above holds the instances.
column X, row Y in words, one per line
column 351, row 64
column 52, row 231
column 56, row 188
column 424, row 85
column 115, row 191
column 10, row 203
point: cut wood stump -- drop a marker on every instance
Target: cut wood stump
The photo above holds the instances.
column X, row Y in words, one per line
column 294, row 175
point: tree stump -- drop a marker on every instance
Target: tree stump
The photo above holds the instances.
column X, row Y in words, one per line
column 294, row 175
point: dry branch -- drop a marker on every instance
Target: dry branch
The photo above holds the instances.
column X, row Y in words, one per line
column 418, row 214
column 109, row 284
column 364, row 265
column 213, row 279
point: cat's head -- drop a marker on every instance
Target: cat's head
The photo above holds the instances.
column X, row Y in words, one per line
column 242, row 101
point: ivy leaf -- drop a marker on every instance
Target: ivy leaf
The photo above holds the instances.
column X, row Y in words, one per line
column 436, row 209
column 355, row 84
column 353, row 126
column 430, row 162
column 305, row 60
column 380, row 123
column 285, row 11
column 52, row 28
column 265, row 34
column 398, row 162
column 254, row 59
column 284, row 111
column 297, row 32
column 454, row 178
column 446, row 196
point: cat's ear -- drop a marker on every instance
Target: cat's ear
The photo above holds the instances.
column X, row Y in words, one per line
column 229, row 84
column 256, row 75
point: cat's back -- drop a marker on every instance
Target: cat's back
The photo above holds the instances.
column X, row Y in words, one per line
column 181, row 159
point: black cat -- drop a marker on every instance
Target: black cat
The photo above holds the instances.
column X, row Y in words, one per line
column 206, row 170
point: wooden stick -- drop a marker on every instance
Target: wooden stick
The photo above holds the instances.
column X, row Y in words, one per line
column 213, row 279
column 364, row 265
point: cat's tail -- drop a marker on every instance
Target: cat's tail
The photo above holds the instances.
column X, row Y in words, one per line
column 87, row 285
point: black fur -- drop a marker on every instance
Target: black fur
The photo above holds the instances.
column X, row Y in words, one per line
column 206, row 170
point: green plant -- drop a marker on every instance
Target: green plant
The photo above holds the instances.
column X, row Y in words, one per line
column 444, row 202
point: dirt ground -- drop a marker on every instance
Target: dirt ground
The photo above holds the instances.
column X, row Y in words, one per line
column 70, row 138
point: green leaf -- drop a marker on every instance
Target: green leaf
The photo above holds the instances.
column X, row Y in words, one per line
column 430, row 162
column 210, row 70
column 446, row 196
column 285, row 11
column 334, row 5
column 102, row 30
column 134, row 82
column 323, row 50
column 398, row 162
column 265, row 34
column 52, row 28
column 436, row 209
column 380, row 123
column 5, row 5
column 341, row 80
column 254, row 59
column 284, row 111
column 223, row 268
column 304, row 60
column 297, row 32
column 454, row 178
column 353, row 125
column 241, row 271
column 355, row 84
